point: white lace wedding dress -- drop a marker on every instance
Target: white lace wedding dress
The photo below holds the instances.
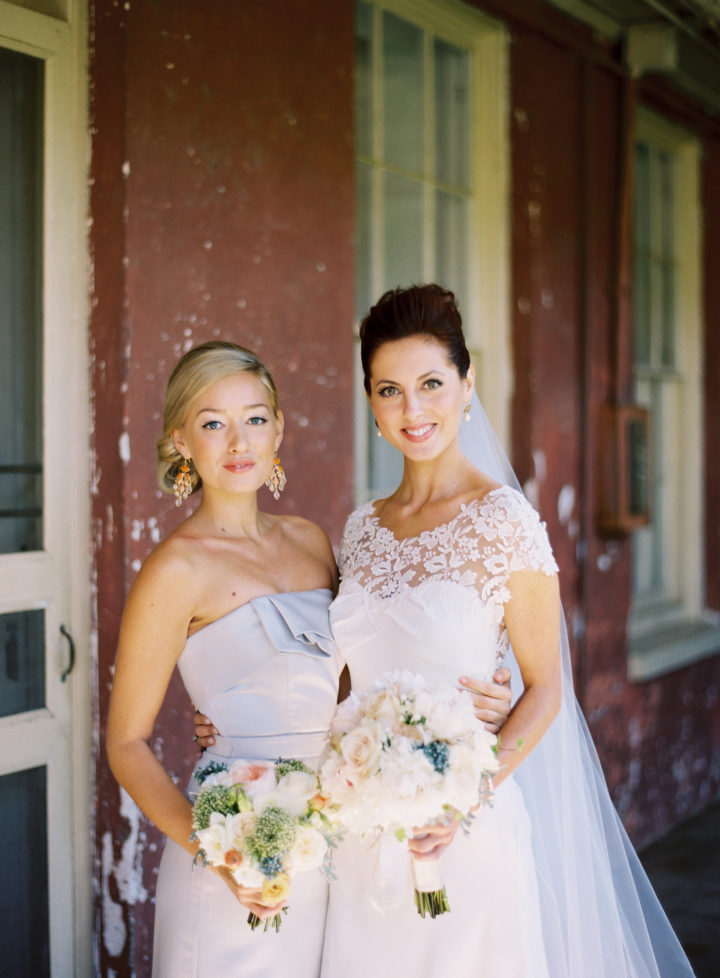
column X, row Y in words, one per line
column 433, row 604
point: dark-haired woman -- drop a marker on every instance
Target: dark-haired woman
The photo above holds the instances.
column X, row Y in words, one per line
column 453, row 573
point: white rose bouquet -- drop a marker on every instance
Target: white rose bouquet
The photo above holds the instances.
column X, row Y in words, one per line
column 263, row 822
column 407, row 753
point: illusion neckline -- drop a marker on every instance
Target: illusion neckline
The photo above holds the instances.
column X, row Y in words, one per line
column 260, row 597
column 464, row 507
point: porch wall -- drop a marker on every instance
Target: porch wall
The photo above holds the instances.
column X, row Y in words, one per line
column 222, row 205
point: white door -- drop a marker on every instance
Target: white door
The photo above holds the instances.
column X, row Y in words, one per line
column 44, row 690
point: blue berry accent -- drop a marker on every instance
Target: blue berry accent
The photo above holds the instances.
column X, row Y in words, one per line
column 438, row 754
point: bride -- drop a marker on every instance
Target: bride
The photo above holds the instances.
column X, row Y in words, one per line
column 453, row 573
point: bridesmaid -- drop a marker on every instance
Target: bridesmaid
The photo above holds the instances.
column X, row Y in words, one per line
column 238, row 599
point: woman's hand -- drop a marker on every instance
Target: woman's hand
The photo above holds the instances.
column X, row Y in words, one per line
column 431, row 841
column 248, row 896
column 492, row 699
column 205, row 732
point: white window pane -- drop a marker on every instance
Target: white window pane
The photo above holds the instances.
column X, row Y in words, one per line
column 24, row 930
column 451, row 244
column 403, row 94
column 403, row 235
column 452, row 114
column 641, row 310
column 21, row 84
column 667, row 316
column 22, row 651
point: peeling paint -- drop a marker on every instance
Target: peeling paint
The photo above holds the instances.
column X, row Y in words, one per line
column 154, row 529
column 604, row 562
column 522, row 120
column 128, row 872
column 565, row 504
column 540, row 463
column 124, row 447
column 114, row 930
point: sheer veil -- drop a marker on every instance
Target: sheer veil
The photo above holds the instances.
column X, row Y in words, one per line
column 600, row 915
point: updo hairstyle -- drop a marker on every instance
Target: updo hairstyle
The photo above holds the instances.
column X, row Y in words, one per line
column 195, row 372
column 420, row 310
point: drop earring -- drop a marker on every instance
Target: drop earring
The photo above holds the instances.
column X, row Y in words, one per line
column 277, row 480
column 182, row 486
column 378, row 432
column 466, row 411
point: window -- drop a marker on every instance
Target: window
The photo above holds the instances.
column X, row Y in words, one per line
column 431, row 161
column 21, row 127
column 669, row 625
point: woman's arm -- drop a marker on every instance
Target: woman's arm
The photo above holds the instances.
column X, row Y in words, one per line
column 532, row 619
column 152, row 636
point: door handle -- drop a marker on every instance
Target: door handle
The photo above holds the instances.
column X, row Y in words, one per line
column 71, row 664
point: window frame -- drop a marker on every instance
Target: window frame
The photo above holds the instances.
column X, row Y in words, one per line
column 488, row 250
column 669, row 633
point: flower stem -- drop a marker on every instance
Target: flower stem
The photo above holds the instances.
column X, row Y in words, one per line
column 431, row 903
column 270, row 922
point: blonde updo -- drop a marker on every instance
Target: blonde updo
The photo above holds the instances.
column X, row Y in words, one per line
column 193, row 374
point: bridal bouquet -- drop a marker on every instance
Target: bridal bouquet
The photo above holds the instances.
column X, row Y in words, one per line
column 406, row 753
column 263, row 822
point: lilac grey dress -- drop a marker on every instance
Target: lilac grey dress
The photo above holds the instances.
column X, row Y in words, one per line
column 267, row 676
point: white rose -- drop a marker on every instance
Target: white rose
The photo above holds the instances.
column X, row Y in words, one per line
column 381, row 705
column 361, row 751
column 216, row 839
column 309, row 849
column 295, row 790
column 451, row 720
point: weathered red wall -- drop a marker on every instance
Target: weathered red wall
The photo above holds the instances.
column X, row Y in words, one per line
column 657, row 739
column 222, row 206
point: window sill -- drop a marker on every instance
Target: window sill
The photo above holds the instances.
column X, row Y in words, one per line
column 671, row 647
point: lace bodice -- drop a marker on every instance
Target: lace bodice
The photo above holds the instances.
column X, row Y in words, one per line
column 478, row 550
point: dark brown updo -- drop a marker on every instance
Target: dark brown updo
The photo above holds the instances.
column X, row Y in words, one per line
column 420, row 310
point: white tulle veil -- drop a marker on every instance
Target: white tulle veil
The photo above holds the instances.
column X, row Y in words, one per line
column 601, row 918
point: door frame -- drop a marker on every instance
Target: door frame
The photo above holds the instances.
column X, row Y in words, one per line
column 63, row 566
